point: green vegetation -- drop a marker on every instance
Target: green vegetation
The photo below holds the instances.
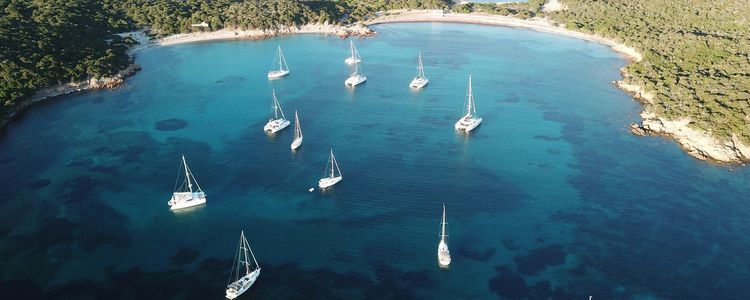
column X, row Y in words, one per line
column 45, row 43
column 695, row 52
column 695, row 55
column 524, row 10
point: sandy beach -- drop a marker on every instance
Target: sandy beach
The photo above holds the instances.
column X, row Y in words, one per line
column 698, row 144
column 232, row 34
column 537, row 24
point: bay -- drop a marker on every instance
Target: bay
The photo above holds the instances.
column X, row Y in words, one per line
column 551, row 197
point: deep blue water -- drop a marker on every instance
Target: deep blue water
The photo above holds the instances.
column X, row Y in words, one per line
column 551, row 197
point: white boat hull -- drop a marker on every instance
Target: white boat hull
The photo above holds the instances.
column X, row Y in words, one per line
column 419, row 82
column 352, row 60
column 275, row 125
column 186, row 199
column 296, row 143
column 355, row 80
column 235, row 289
column 329, row 182
column 444, row 256
column 277, row 74
column 468, row 123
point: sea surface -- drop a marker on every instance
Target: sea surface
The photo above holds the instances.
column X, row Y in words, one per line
column 551, row 197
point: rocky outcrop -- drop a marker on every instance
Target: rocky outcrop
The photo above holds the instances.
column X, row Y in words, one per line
column 72, row 87
column 698, row 143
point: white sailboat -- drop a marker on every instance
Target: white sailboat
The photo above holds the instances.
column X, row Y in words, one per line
column 297, row 132
column 356, row 77
column 242, row 263
column 184, row 196
column 354, row 57
column 330, row 180
column 444, row 256
column 276, row 123
column 470, row 120
column 279, row 68
column 420, row 80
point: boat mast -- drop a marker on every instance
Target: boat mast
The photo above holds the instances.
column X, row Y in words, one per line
column 257, row 266
column 337, row 163
column 244, row 246
column 282, row 61
column 297, row 128
column 333, row 161
column 442, row 225
column 420, row 67
column 187, row 174
column 470, row 102
column 351, row 48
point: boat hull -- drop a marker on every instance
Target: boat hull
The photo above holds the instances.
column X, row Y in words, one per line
column 351, row 60
column 355, row 80
column 235, row 289
column 419, row 83
column 296, row 143
column 277, row 74
column 327, row 182
column 444, row 256
column 275, row 125
column 186, row 199
column 468, row 124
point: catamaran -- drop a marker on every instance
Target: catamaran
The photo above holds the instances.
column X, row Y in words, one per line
column 356, row 77
column 470, row 120
column 354, row 58
column 279, row 68
column 444, row 256
column 184, row 196
column 241, row 284
column 330, row 180
column 297, row 132
column 276, row 123
column 420, row 80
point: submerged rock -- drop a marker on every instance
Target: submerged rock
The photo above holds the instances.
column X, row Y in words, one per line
column 170, row 124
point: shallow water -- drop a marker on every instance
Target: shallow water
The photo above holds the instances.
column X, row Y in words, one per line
column 551, row 197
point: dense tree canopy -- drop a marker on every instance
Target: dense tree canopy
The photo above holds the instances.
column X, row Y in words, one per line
column 695, row 52
column 695, row 55
column 45, row 43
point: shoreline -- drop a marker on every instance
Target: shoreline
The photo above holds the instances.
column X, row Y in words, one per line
column 256, row 34
column 698, row 144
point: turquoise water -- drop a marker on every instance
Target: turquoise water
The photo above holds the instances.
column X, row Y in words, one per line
column 551, row 197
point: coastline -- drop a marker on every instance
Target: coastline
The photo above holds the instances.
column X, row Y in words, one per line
column 696, row 143
column 699, row 144
column 254, row 34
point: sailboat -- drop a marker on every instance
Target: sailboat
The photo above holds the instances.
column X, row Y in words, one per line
column 420, row 80
column 470, row 120
column 444, row 256
column 276, row 123
column 297, row 132
column 279, row 68
column 184, row 196
column 241, row 284
column 330, row 180
column 354, row 58
column 356, row 77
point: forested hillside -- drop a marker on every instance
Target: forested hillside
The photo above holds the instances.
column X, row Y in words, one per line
column 695, row 55
column 45, row 43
